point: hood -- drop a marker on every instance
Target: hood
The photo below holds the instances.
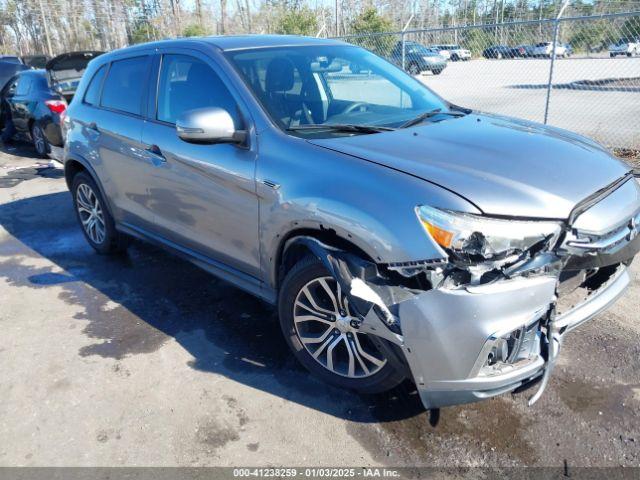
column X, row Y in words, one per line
column 503, row 166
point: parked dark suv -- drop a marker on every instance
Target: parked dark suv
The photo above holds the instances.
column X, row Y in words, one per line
column 418, row 58
column 399, row 235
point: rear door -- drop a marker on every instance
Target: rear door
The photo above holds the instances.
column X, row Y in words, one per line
column 19, row 103
column 115, row 129
column 203, row 196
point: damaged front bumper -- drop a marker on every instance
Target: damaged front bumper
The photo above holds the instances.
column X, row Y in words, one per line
column 449, row 336
column 463, row 341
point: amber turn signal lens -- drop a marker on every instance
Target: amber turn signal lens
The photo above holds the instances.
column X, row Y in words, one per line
column 442, row 237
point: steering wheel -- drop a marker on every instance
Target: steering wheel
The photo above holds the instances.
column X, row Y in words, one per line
column 354, row 106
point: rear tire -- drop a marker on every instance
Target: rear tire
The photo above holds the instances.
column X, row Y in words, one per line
column 93, row 215
column 40, row 142
column 437, row 71
column 308, row 277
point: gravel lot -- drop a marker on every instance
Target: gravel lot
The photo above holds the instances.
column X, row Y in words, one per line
column 145, row 360
column 585, row 99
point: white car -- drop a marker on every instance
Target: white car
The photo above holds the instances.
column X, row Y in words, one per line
column 453, row 52
column 545, row 49
column 625, row 46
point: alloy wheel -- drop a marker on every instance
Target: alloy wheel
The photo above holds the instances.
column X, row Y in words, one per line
column 329, row 332
column 39, row 141
column 91, row 213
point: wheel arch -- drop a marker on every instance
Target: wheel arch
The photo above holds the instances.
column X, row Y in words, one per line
column 289, row 252
column 75, row 165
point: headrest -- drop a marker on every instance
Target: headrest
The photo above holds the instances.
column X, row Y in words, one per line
column 279, row 76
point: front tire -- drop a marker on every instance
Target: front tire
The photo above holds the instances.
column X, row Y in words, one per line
column 95, row 220
column 315, row 320
column 437, row 71
column 414, row 69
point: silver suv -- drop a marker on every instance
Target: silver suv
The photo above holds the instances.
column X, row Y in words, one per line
column 399, row 235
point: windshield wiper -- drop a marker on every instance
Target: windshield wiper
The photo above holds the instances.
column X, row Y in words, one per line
column 431, row 113
column 342, row 127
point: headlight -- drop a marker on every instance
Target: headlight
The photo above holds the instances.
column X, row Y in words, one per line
column 477, row 238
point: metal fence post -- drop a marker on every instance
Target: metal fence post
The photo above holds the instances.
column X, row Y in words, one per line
column 402, row 35
column 556, row 30
column 403, row 52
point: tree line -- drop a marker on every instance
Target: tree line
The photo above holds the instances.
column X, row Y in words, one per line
column 55, row 26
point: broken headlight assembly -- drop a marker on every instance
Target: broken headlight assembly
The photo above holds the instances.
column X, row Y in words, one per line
column 484, row 238
column 470, row 240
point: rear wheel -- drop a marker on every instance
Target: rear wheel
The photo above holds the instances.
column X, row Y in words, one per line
column 318, row 326
column 437, row 71
column 40, row 142
column 96, row 221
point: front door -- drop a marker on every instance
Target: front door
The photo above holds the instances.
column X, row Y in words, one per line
column 203, row 196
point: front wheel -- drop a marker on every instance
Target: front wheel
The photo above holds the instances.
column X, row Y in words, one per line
column 94, row 217
column 414, row 69
column 319, row 328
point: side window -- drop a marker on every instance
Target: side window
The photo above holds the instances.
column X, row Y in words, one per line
column 348, row 84
column 11, row 90
column 124, row 87
column 24, row 85
column 187, row 83
column 92, row 96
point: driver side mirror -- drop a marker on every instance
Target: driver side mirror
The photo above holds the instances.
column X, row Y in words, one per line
column 208, row 125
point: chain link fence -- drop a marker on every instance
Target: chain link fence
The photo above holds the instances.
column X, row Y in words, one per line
column 578, row 73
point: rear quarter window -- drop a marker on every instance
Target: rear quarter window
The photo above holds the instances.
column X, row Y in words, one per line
column 125, row 84
column 24, row 85
column 92, row 96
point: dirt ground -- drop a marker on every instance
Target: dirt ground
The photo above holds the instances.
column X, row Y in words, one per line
column 144, row 360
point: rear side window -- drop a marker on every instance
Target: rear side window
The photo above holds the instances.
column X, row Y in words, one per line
column 187, row 83
column 92, row 97
column 125, row 83
column 24, row 85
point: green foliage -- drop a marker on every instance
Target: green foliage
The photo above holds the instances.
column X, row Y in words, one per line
column 631, row 27
column 477, row 40
column 144, row 32
column 370, row 22
column 300, row 21
column 194, row 30
column 591, row 35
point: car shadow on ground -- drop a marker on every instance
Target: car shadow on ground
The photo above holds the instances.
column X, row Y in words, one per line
column 133, row 303
column 20, row 149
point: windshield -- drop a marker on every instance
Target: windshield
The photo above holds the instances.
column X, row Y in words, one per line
column 325, row 85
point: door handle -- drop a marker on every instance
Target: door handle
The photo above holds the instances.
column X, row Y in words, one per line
column 156, row 152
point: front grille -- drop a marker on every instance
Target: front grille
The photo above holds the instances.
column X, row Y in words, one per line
column 576, row 286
